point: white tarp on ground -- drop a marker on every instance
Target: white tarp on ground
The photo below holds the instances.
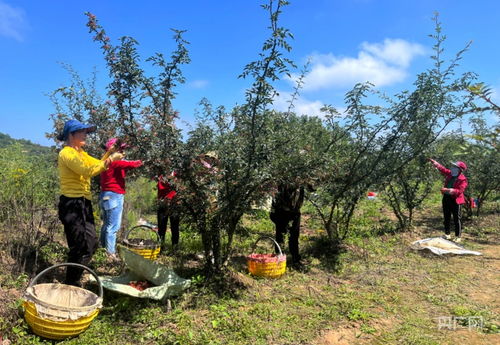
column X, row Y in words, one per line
column 440, row 246
column 167, row 283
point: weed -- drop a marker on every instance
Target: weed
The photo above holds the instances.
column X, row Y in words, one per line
column 365, row 328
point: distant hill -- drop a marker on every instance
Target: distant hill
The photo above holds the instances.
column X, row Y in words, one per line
column 32, row 148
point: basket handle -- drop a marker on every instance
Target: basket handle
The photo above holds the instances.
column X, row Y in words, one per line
column 267, row 238
column 127, row 233
column 69, row 264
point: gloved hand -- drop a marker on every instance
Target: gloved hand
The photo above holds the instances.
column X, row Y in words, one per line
column 113, row 157
column 446, row 190
column 109, row 152
column 116, row 156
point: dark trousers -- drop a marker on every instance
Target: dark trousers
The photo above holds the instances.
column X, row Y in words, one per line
column 281, row 219
column 164, row 213
column 451, row 208
column 77, row 216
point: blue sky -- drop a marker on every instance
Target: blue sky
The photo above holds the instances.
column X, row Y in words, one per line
column 349, row 41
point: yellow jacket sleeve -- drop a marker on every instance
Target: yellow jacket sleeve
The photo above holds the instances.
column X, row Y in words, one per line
column 75, row 170
column 81, row 163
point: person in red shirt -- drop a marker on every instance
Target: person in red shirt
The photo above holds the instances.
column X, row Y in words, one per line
column 168, row 209
column 455, row 183
column 112, row 196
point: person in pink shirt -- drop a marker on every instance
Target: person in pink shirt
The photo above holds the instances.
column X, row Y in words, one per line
column 112, row 196
column 455, row 183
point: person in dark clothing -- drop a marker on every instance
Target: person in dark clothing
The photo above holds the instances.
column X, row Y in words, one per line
column 168, row 209
column 285, row 214
column 453, row 196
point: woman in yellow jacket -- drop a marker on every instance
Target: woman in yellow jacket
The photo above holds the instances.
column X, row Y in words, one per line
column 76, row 168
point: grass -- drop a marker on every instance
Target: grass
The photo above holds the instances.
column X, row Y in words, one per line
column 372, row 290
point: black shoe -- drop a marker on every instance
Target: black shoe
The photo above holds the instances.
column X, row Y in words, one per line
column 163, row 248
column 298, row 265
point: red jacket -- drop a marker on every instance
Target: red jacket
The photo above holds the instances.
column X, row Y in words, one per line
column 165, row 189
column 459, row 186
column 113, row 179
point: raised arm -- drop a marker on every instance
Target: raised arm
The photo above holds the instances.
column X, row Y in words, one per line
column 439, row 167
column 122, row 164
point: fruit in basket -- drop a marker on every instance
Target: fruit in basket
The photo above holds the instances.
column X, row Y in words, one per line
column 140, row 284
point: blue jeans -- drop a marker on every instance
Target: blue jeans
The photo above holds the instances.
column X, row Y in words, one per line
column 111, row 208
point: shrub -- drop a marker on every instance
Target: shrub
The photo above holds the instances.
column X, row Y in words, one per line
column 28, row 216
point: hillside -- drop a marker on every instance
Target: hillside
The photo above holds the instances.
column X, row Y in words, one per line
column 32, row 148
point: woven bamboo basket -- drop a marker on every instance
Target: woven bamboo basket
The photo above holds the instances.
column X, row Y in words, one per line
column 147, row 248
column 267, row 265
column 58, row 311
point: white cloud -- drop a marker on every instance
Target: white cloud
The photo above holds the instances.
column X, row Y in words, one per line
column 198, row 84
column 311, row 108
column 495, row 94
column 302, row 106
column 379, row 63
column 395, row 51
column 12, row 21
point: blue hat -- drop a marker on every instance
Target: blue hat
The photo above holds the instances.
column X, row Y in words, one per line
column 72, row 126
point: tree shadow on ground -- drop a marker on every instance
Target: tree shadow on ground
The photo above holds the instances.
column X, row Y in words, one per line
column 231, row 283
column 239, row 263
column 429, row 224
column 326, row 251
column 489, row 241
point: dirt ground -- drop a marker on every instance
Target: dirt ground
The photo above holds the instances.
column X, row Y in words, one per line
column 481, row 275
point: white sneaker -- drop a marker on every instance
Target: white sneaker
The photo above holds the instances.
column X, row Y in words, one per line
column 113, row 258
column 447, row 237
column 458, row 239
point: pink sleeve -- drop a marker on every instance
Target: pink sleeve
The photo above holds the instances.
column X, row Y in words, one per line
column 441, row 168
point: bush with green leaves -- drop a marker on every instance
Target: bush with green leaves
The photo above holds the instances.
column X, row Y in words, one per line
column 28, row 200
column 407, row 191
column 137, row 107
column 481, row 151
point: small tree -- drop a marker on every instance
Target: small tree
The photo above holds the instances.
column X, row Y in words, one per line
column 407, row 191
column 482, row 154
column 140, row 107
column 218, row 196
column 375, row 143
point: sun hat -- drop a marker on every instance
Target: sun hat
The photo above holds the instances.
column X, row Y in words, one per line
column 212, row 154
column 72, row 126
column 459, row 164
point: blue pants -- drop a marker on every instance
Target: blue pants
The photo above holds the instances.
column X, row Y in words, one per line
column 111, row 209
